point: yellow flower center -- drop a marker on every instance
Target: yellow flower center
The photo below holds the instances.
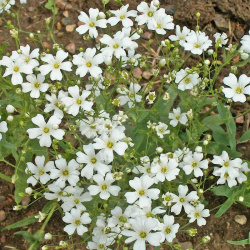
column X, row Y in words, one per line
column 77, row 222
column 41, row 172
column 182, row 200
column 65, row 172
column 101, row 246
column 56, row 65
column 159, row 26
column 164, row 170
column 132, row 95
column 110, row 144
column 115, row 46
column 168, row 230
column 149, row 214
column 161, row 130
column 104, row 186
column 238, row 90
column 76, row 201
column 226, row 164
column 148, row 170
column 16, row 69
column 197, row 45
column 92, row 24
column 177, row 117
column 46, row 130
column 37, row 85
column 197, row 214
column 194, row 164
column 88, row 64
column 167, row 198
column 187, row 80
column 122, row 219
column 79, row 101
column 122, row 17
column 150, row 13
column 141, row 192
column 93, row 160
column 143, row 234
column 226, row 175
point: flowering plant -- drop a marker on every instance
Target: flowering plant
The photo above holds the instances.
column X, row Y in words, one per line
column 122, row 156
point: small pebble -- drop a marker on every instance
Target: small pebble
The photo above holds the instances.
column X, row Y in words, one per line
column 46, row 45
column 137, row 72
column 66, row 13
column 60, row 34
column 25, row 201
column 147, row 75
column 2, row 215
column 66, row 21
column 70, row 28
column 186, row 244
column 71, row 48
column 147, row 35
column 240, row 219
column 58, row 26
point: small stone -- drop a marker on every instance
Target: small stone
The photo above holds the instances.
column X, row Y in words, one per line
column 70, row 28
column 240, row 219
column 147, row 75
column 147, row 35
column 66, row 13
column 60, row 34
column 58, row 26
column 2, row 215
column 25, row 201
column 221, row 22
column 3, row 239
column 186, row 244
column 137, row 72
column 31, row 9
column 46, row 45
column 61, row 5
column 66, row 21
column 239, row 119
column 68, row 6
column 171, row 9
column 71, row 48
column 2, row 198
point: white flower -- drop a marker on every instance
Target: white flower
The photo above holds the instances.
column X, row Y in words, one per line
column 118, row 217
column 238, row 88
column 15, row 68
column 168, row 228
column 34, row 85
column 220, row 39
column 142, row 192
column 57, row 192
column 245, row 41
column 10, row 109
column 76, row 221
column 130, row 95
column 194, row 162
column 180, row 35
column 88, row 127
column 142, row 233
column 186, row 80
column 168, row 198
column 110, row 143
column 88, row 62
column 177, row 117
column 39, row 171
column 3, row 128
column 77, row 101
column 46, row 130
column 151, row 97
column 163, row 22
column 90, row 23
column 65, row 172
column 122, row 15
column 116, row 45
column 104, row 186
column 197, row 213
column 183, row 200
column 55, row 104
column 41, row 216
column 242, row 171
column 99, row 243
column 197, row 42
column 161, row 129
column 165, row 169
column 55, row 64
column 92, row 160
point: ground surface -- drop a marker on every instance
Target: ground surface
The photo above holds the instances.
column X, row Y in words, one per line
column 230, row 16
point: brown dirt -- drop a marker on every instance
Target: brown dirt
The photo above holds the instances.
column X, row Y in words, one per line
column 230, row 16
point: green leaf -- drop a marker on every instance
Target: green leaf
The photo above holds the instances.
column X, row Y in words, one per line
column 21, row 223
column 5, row 177
column 26, row 235
column 241, row 242
column 220, row 135
column 225, row 206
column 119, row 1
column 245, row 136
column 228, row 119
column 223, row 190
column 212, row 120
column 50, row 5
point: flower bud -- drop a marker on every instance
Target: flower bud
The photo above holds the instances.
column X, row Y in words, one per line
column 162, row 63
column 205, row 142
column 10, row 118
column 192, row 232
column 48, row 236
column 28, row 190
column 241, row 198
column 205, row 239
column 102, row 15
column 10, row 108
column 159, row 150
column 198, row 149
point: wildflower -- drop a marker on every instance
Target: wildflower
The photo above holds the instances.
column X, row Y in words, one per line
column 142, row 232
column 238, row 88
column 55, row 64
column 76, row 220
column 168, row 228
column 99, row 243
column 77, row 101
column 3, row 128
column 183, row 200
column 41, row 216
column 186, row 80
column 180, row 35
column 142, row 192
column 118, row 217
column 194, row 162
column 65, row 172
column 130, row 95
column 177, row 117
column 92, row 160
column 245, row 41
column 167, row 199
column 122, row 15
column 163, row 22
column 220, row 39
column 197, row 42
column 88, row 62
column 34, row 85
column 46, row 130
column 198, row 213
column 151, row 97
column 39, row 171
column 104, row 186
column 91, row 23
column 10, row 109
column 58, row 193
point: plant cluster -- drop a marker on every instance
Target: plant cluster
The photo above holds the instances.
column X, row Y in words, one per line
column 123, row 159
